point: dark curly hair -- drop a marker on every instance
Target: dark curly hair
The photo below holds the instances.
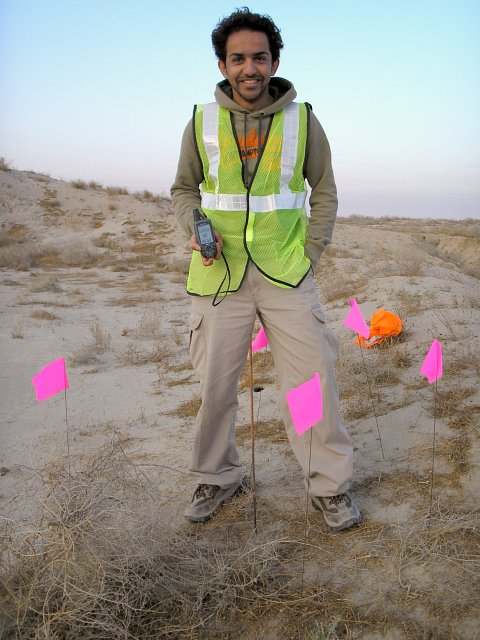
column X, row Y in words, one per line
column 240, row 19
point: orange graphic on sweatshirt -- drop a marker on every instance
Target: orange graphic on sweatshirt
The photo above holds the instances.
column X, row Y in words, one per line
column 251, row 144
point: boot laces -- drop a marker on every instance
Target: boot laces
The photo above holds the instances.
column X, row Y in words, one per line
column 206, row 491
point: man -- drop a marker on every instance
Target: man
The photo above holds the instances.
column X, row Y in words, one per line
column 251, row 152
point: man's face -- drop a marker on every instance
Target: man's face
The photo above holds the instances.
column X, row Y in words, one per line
column 248, row 68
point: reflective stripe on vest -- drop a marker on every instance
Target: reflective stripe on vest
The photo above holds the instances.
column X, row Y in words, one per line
column 265, row 223
column 259, row 204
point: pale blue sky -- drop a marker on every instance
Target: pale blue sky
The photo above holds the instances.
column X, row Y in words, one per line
column 101, row 90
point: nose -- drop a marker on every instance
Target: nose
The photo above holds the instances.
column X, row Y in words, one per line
column 249, row 67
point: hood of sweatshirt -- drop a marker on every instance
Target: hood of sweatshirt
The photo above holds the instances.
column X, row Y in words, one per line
column 282, row 91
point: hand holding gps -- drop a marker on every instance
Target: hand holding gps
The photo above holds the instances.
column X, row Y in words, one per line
column 204, row 234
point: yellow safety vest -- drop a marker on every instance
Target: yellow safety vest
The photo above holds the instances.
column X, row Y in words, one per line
column 267, row 222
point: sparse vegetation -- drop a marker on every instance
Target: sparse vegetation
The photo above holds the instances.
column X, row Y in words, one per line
column 17, row 331
column 79, row 184
column 189, row 408
column 94, row 545
column 140, row 354
column 107, row 566
column 89, row 351
column 40, row 284
column 5, row 165
column 117, row 191
column 43, row 315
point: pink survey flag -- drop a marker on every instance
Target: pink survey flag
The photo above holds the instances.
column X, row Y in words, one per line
column 51, row 379
column 305, row 404
column 260, row 341
column 432, row 366
column 355, row 321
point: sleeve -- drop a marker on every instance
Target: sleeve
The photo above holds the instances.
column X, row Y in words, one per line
column 185, row 191
column 323, row 198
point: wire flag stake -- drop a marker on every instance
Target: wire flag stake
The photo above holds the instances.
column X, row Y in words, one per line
column 371, row 399
column 252, row 438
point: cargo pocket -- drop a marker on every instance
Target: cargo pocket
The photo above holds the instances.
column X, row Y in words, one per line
column 318, row 313
column 197, row 341
column 329, row 338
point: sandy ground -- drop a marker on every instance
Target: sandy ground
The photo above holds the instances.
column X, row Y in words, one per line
column 98, row 277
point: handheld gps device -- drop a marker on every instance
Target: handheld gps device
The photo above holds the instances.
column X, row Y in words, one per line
column 204, row 234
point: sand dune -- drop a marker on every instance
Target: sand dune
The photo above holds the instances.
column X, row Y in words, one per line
column 97, row 276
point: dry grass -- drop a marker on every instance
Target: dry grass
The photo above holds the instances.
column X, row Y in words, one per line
column 133, row 301
column 5, row 165
column 339, row 284
column 117, row 191
column 106, row 241
column 273, row 431
column 263, row 371
column 457, row 452
column 104, row 559
column 51, row 204
column 79, row 184
column 100, row 562
column 88, row 352
column 40, row 284
column 18, row 250
column 151, row 323
column 140, row 354
column 17, row 331
column 189, row 408
column 465, row 418
column 13, row 234
column 183, row 366
column 408, row 303
column 356, row 408
column 43, row 314
column 446, row 403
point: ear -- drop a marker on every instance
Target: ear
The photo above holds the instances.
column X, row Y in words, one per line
column 223, row 68
column 275, row 66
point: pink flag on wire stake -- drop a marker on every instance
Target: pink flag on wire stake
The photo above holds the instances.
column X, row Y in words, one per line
column 51, row 379
column 260, row 341
column 305, row 404
column 355, row 321
column 432, row 366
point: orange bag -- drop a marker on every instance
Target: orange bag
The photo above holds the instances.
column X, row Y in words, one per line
column 383, row 324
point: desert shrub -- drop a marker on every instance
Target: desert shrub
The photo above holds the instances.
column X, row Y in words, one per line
column 17, row 331
column 140, row 354
column 117, row 191
column 88, row 351
column 79, row 184
column 43, row 314
column 151, row 324
column 77, row 253
column 5, row 165
column 21, row 257
column 44, row 283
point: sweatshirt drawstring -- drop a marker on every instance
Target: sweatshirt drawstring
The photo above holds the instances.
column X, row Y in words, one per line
column 245, row 149
column 259, row 139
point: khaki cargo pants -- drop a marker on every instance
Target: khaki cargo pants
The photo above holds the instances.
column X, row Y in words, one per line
column 301, row 344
